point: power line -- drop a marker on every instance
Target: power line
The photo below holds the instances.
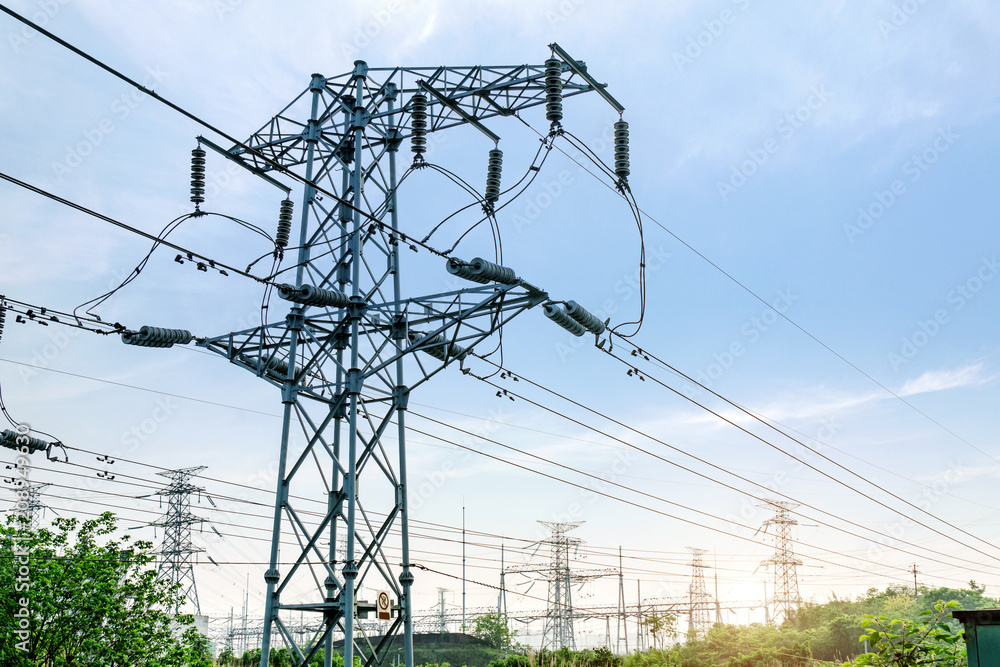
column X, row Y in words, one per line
column 818, row 453
column 675, row 464
column 780, row 314
column 134, row 230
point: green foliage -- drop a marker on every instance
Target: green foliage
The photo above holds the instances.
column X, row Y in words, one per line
column 92, row 600
column 493, row 629
column 660, row 626
column 903, row 643
column 564, row 657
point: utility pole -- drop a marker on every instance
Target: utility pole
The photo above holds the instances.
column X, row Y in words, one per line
column 639, row 644
column 914, row 570
column 622, row 627
column 786, row 583
column 338, row 357
column 464, row 629
column 176, row 548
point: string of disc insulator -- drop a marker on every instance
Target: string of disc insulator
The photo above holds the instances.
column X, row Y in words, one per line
column 197, row 176
column 585, row 317
column 16, row 440
column 481, row 271
column 418, row 125
column 574, row 318
column 493, row 169
column 621, row 150
column 3, row 318
column 156, row 337
column 553, row 90
column 284, row 224
column 438, row 346
column 310, row 295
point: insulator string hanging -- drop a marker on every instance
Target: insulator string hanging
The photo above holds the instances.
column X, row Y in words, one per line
column 621, row 151
column 493, row 175
column 418, row 126
column 3, row 318
column 284, row 224
column 553, row 90
column 198, row 177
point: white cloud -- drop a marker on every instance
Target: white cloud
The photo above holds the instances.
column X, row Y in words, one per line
column 965, row 376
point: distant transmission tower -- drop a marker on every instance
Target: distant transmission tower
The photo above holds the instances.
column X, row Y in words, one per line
column 786, row 582
column 558, row 631
column 28, row 505
column 698, row 598
column 176, row 549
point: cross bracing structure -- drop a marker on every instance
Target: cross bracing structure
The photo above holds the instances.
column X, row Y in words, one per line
column 352, row 333
column 177, row 549
column 558, row 631
column 699, row 600
column 784, row 561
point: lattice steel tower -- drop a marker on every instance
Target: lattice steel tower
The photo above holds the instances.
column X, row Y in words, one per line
column 339, row 355
column 784, row 561
column 698, row 598
column 176, row 549
column 29, row 507
column 558, row 631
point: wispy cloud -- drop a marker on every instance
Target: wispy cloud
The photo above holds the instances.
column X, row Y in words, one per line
column 930, row 381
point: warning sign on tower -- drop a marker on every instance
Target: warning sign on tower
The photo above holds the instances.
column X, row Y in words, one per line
column 384, row 610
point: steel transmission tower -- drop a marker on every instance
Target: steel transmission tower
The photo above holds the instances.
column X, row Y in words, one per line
column 177, row 549
column 28, row 506
column 558, row 630
column 339, row 355
column 786, row 582
column 699, row 600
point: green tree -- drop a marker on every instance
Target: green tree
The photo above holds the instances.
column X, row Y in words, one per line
column 493, row 629
column 74, row 595
column 904, row 643
column 660, row 626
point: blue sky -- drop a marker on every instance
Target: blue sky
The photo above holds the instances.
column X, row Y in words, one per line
column 834, row 158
